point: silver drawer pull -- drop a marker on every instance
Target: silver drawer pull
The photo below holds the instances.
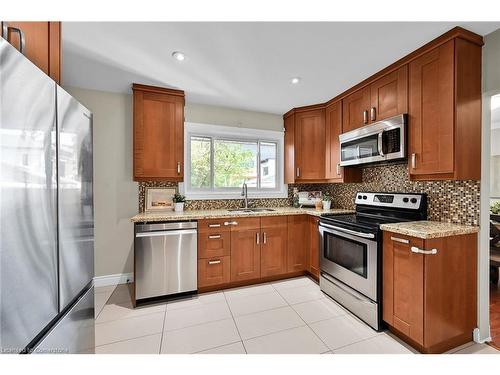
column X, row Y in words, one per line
column 426, row 252
column 402, row 240
column 214, row 236
column 257, row 238
column 214, row 261
column 226, row 223
column 214, row 225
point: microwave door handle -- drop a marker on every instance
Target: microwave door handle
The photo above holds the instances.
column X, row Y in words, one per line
column 380, row 148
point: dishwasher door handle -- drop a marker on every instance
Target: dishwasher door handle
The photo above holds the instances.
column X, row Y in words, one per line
column 166, row 233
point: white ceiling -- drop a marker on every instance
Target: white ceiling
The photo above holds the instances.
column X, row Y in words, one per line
column 241, row 65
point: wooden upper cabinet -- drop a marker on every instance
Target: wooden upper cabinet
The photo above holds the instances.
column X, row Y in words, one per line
column 274, row 246
column 389, row 95
column 445, row 112
column 333, row 128
column 42, row 44
column 158, row 133
column 298, row 242
column 245, row 249
column 356, row 108
column 310, row 145
column 289, row 141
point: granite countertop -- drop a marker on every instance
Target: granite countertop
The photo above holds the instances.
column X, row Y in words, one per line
column 223, row 213
column 429, row 229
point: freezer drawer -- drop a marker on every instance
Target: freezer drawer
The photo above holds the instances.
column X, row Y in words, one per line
column 165, row 259
column 75, row 331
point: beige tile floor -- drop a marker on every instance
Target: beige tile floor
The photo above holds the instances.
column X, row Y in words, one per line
column 286, row 317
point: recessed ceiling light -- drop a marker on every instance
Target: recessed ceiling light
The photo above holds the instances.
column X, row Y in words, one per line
column 179, row 56
column 295, row 80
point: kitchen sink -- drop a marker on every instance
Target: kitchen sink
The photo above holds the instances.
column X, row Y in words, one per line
column 251, row 210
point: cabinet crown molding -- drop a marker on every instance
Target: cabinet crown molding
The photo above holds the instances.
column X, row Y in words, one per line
column 157, row 89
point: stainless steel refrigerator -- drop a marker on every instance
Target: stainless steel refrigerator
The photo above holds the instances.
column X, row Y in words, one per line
column 46, row 213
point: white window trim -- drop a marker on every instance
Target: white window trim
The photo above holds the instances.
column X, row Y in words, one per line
column 198, row 129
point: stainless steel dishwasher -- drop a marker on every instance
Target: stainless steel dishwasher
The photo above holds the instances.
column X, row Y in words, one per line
column 165, row 259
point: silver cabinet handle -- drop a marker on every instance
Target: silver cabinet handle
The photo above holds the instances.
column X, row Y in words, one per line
column 214, row 225
column 426, row 252
column 379, row 143
column 22, row 40
column 373, row 113
column 226, row 223
column 365, row 117
column 402, row 240
column 214, row 261
column 414, row 161
column 214, row 236
column 178, row 168
column 298, row 172
column 338, row 169
column 257, row 238
column 264, row 235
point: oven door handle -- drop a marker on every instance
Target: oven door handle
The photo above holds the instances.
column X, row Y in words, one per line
column 348, row 231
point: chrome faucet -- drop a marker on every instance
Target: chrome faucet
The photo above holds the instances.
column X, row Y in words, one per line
column 244, row 193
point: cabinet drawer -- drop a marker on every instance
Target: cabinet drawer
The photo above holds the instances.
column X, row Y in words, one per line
column 214, row 225
column 214, row 271
column 214, row 244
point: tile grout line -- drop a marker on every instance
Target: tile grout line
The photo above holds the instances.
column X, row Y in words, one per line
column 234, row 322
column 129, row 317
column 132, row 338
column 163, row 330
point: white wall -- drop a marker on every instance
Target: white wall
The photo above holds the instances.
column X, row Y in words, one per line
column 115, row 194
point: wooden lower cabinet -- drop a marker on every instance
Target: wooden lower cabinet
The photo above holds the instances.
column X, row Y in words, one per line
column 274, row 246
column 214, row 271
column 429, row 299
column 314, row 246
column 245, row 249
column 298, row 242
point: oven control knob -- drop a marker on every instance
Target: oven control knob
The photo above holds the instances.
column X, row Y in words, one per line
column 360, row 197
column 405, row 199
column 365, row 197
column 413, row 200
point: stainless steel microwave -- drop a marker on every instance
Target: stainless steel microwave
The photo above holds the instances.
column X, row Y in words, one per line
column 377, row 142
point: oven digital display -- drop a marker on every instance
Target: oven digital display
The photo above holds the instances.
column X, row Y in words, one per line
column 384, row 198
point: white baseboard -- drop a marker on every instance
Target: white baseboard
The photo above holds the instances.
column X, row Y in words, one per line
column 119, row 278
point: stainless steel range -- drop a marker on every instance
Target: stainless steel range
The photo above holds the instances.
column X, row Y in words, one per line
column 351, row 250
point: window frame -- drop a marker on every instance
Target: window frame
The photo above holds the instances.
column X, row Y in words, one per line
column 233, row 134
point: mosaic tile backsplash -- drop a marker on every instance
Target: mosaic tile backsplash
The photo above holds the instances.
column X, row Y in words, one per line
column 449, row 201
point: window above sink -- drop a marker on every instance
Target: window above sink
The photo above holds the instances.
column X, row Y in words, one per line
column 218, row 159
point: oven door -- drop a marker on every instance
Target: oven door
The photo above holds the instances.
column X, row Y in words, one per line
column 351, row 257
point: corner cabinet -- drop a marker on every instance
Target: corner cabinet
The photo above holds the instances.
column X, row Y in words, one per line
column 312, row 149
column 429, row 289
column 42, row 44
column 445, row 113
column 158, row 133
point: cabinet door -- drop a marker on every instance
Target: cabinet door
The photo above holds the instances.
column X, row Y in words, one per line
column 245, row 249
column 403, row 286
column 431, row 112
column 158, row 136
column 310, row 145
column 298, row 242
column 333, row 124
column 42, row 45
column 389, row 95
column 314, row 246
column 274, row 246
column 289, row 149
column 355, row 110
